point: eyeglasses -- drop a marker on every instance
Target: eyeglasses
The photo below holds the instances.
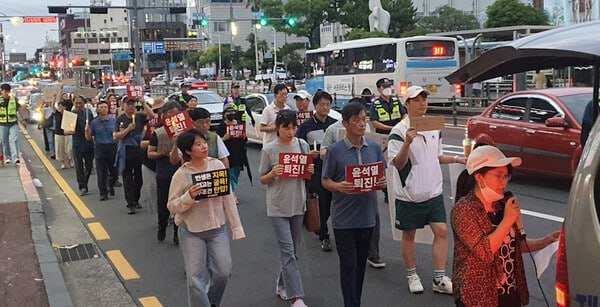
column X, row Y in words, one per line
column 502, row 177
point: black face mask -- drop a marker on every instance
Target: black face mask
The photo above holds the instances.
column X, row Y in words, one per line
column 230, row 116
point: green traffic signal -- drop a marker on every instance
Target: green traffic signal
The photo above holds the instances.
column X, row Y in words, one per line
column 204, row 22
column 264, row 22
column 291, row 21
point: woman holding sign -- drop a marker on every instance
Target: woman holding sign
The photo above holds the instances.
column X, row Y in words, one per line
column 286, row 198
column 201, row 216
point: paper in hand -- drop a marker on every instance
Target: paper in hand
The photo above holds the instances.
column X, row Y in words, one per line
column 542, row 257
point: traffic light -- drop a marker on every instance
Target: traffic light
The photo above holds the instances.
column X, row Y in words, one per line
column 263, row 21
column 75, row 61
column 192, row 33
column 204, row 22
column 53, row 63
column 291, row 21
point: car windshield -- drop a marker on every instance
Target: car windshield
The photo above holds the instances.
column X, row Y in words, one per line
column 207, row 98
column 576, row 104
column 291, row 102
column 119, row 91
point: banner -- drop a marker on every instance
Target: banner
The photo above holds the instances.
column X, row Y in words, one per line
column 295, row 165
column 213, row 183
column 365, row 177
column 135, row 91
column 177, row 124
column 236, row 131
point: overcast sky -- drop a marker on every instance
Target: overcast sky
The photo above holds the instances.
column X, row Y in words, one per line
column 28, row 37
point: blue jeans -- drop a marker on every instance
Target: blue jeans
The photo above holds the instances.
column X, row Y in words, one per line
column 207, row 259
column 234, row 173
column 10, row 141
column 50, row 136
column 288, row 231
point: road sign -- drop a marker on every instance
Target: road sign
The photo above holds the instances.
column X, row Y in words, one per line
column 122, row 56
column 258, row 14
column 172, row 66
column 198, row 15
column 77, row 51
column 43, row 19
column 268, row 56
column 154, row 48
column 193, row 44
column 116, row 46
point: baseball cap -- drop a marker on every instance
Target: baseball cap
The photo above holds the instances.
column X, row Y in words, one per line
column 228, row 106
column 302, row 94
column 235, row 85
column 489, row 156
column 385, row 82
column 413, row 92
column 185, row 85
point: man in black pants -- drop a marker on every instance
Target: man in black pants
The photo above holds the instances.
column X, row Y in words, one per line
column 129, row 128
column 159, row 149
column 101, row 129
column 83, row 150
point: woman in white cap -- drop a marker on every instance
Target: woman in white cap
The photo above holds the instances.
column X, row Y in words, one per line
column 488, row 237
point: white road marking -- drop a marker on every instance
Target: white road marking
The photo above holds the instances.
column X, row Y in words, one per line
column 543, row 216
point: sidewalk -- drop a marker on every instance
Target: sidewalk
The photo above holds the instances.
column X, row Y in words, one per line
column 32, row 273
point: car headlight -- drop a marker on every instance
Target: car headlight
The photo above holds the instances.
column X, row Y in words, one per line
column 37, row 117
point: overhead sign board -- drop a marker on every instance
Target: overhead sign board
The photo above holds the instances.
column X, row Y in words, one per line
column 197, row 15
column 154, row 48
column 183, row 44
column 116, row 46
column 45, row 19
column 77, row 51
column 123, row 56
column 258, row 14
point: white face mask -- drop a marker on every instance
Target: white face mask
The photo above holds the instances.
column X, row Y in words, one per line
column 387, row 91
column 489, row 194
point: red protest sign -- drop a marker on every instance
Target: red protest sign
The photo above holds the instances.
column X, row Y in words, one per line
column 301, row 117
column 295, row 165
column 135, row 91
column 365, row 177
column 236, row 131
column 153, row 124
column 177, row 124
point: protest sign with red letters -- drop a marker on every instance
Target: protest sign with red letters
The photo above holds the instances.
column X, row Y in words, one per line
column 236, row 131
column 301, row 117
column 295, row 165
column 365, row 177
column 177, row 124
column 135, row 91
column 213, row 183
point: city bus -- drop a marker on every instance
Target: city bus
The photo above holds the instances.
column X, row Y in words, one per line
column 351, row 68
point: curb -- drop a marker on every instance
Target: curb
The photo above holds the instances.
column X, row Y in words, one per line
column 54, row 282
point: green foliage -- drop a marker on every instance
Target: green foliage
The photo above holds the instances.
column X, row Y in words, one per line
column 504, row 13
column 192, row 59
column 448, row 19
column 211, row 56
column 360, row 34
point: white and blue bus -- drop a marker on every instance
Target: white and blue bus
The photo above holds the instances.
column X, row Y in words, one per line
column 351, row 68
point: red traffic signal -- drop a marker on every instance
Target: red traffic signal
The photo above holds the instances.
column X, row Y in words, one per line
column 52, row 63
column 75, row 61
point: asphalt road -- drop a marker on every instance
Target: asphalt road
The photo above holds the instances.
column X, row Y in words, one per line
column 160, row 264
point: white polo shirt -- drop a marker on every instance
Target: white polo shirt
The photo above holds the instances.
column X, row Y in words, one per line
column 421, row 178
column 268, row 118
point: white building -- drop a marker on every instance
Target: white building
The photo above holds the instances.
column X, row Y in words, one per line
column 330, row 33
column 107, row 34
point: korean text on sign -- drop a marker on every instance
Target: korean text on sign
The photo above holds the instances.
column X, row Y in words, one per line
column 295, row 165
column 365, row 177
column 236, row 131
column 213, row 183
column 301, row 117
column 177, row 124
column 135, row 91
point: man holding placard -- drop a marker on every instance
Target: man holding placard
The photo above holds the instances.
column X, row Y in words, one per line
column 83, row 149
column 415, row 150
column 9, row 128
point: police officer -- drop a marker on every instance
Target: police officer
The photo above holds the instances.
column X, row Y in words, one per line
column 386, row 111
column 184, row 97
column 239, row 104
column 9, row 128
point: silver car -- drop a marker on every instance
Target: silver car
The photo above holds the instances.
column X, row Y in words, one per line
column 578, row 258
column 209, row 100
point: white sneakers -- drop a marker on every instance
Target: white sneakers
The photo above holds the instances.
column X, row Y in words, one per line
column 281, row 293
column 414, row 284
column 444, row 286
column 299, row 303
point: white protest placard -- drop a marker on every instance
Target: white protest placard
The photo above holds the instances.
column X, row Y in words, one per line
column 87, row 92
column 543, row 257
column 69, row 120
column 50, row 93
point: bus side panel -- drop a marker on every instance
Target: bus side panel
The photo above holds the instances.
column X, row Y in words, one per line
column 315, row 84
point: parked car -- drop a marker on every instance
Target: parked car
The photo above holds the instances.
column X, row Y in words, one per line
column 258, row 102
column 577, row 262
column 542, row 127
column 177, row 81
column 208, row 100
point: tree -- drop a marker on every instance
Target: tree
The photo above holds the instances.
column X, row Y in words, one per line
column 360, row 34
column 355, row 14
column 504, row 13
column 211, row 56
column 448, row 19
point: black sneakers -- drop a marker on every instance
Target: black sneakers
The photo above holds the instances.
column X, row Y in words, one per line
column 161, row 234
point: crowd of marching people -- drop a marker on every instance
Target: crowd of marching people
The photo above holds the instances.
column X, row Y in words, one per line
column 126, row 139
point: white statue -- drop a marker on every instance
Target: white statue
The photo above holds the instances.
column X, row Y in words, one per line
column 379, row 19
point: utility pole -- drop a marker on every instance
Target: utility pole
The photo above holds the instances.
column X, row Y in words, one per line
column 231, row 24
column 255, row 51
column 135, row 42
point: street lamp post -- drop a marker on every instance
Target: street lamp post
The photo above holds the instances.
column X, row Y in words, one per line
column 256, row 27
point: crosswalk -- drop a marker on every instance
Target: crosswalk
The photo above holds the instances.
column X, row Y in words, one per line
column 452, row 149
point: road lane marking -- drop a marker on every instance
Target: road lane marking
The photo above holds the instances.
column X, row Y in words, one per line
column 543, row 216
column 62, row 183
column 150, row 301
column 98, row 231
column 122, row 265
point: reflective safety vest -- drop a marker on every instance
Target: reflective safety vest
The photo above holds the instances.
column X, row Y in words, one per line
column 183, row 100
column 240, row 108
column 213, row 145
column 384, row 116
column 8, row 115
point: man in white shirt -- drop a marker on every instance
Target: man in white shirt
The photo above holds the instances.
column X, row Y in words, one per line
column 267, row 122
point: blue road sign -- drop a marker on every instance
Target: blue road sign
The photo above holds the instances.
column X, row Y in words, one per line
column 123, row 56
column 154, row 48
column 258, row 14
column 172, row 66
column 198, row 15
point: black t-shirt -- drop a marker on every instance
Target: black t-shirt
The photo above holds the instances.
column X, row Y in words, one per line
column 164, row 168
column 149, row 163
column 508, row 295
column 123, row 122
column 57, row 123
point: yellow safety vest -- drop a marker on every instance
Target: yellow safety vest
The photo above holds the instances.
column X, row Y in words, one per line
column 8, row 115
column 384, row 115
column 238, row 107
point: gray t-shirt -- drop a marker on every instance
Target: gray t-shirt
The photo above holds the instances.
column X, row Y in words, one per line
column 285, row 197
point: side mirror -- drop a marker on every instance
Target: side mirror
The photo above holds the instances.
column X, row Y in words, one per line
column 557, row 122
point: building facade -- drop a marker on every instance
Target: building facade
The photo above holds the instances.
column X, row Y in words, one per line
column 476, row 8
column 332, row 33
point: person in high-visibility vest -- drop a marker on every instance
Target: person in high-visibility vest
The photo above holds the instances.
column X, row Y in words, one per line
column 9, row 128
column 184, row 97
column 386, row 111
column 239, row 105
